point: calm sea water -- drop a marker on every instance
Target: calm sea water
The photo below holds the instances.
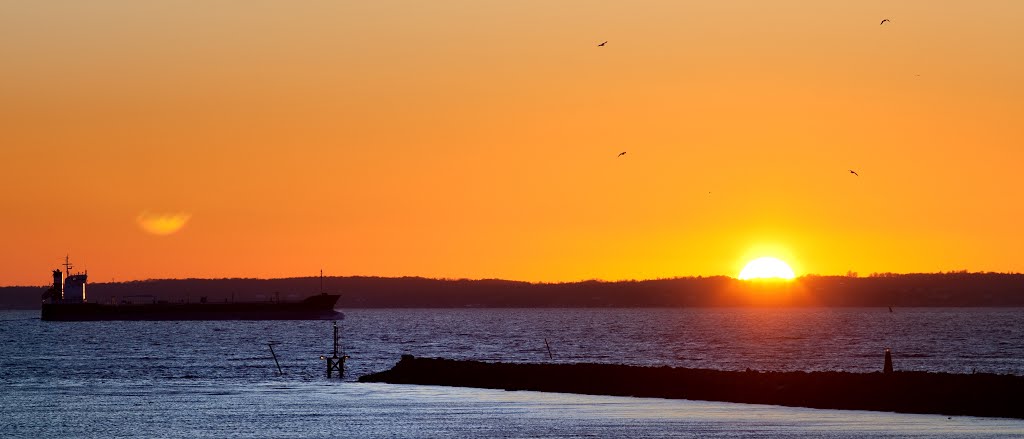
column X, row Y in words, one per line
column 218, row 379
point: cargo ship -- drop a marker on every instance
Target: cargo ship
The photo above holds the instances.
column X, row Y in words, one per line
column 66, row 301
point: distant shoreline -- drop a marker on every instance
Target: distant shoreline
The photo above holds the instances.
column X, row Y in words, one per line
column 980, row 394
column 882, row 291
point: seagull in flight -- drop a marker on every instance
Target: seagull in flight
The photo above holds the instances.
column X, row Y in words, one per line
column 886, row 20
column 854, row 173
column 602, row 44
column 621, row 154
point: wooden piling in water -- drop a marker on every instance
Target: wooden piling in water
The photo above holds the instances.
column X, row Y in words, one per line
column 271, row 346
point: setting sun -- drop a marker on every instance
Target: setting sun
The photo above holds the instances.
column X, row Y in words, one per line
column 766, row 268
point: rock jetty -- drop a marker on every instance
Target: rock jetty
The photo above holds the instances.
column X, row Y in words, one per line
column 978, row 394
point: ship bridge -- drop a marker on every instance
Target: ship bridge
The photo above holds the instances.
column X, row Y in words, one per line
column 69, row 289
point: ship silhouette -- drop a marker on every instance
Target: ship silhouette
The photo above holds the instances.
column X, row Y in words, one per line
column 66, row 300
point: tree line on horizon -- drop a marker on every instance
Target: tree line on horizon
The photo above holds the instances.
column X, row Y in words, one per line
column 877, row 290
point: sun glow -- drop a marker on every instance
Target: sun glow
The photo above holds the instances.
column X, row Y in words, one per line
column 162, row 224
column 767, row 268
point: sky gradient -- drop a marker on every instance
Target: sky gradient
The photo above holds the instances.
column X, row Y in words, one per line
column 479, row 139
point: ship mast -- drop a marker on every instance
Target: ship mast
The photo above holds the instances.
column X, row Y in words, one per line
column 67, row 265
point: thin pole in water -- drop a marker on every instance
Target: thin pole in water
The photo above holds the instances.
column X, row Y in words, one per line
column 271, row 345
column 549, row 349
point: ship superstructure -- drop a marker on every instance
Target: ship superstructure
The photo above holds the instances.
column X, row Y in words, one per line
column 67, row 287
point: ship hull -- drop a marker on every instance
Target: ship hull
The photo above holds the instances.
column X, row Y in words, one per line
column 319, row 307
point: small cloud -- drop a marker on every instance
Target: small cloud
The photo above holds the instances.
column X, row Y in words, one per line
column 162, row 224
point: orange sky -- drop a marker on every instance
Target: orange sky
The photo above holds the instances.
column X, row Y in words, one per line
column 479, row 138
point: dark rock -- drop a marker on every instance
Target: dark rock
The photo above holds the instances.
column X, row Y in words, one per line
column 979, row 394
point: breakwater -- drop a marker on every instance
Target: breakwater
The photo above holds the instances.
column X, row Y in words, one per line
column 979, row 394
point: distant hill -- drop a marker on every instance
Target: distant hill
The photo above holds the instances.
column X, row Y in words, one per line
column 897, row 290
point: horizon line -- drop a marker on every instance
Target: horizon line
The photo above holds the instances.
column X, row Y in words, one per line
column 450, row 279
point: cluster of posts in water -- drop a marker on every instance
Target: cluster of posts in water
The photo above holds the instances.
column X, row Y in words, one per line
column 335, row 363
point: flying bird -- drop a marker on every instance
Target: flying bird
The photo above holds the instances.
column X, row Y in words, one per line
column 621, row 154
column 884, row 21
column 854, row 173
column 602, row 44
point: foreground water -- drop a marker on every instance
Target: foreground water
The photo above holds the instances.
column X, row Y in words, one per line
column 218, row 379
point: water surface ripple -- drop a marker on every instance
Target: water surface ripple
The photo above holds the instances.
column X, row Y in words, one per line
column 217, row 379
